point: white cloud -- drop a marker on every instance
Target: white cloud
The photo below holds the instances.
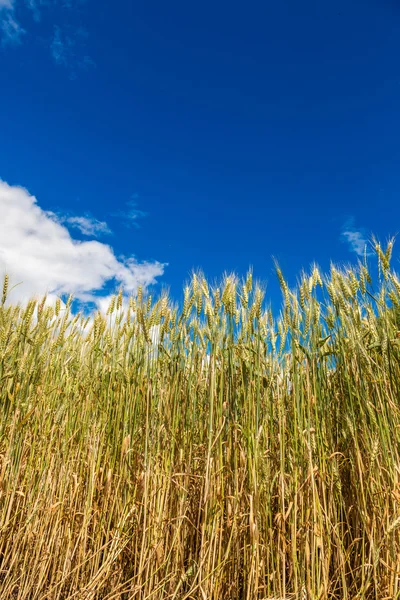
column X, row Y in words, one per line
column 38, row 251
column 87, row 225
column 355, row 238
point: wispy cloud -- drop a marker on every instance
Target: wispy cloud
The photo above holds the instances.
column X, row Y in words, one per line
column 7, row 4
column 87, row 225
column 131, row 215
column 67, row 43
column 68, row 49
column 355, row 238
column 11, row 30
column 59, row 47
column 40, row 252
column 35, row 6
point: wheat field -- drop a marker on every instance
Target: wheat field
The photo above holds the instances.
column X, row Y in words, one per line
column 213, row 451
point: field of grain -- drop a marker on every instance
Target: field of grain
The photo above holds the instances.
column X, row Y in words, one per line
column 210, row 452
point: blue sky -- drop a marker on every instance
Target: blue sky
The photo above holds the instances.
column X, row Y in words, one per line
column 182, row 135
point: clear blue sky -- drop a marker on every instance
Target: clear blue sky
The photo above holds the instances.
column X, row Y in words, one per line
column 242, row 130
